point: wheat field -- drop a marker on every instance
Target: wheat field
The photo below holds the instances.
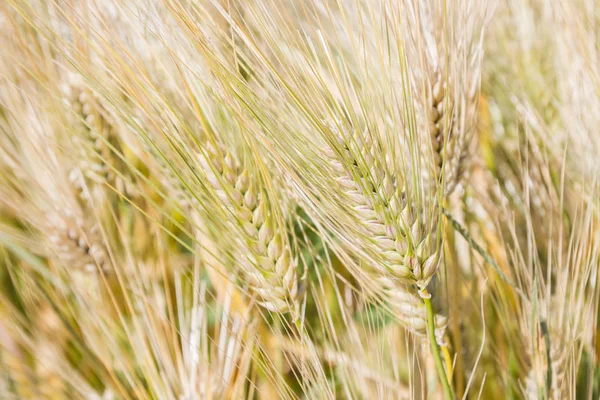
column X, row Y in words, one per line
column 299, row 199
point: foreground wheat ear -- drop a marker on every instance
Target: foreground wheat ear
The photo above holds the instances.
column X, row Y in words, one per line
column 407, row 249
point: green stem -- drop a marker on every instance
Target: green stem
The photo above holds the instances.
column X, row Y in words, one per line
column 475, row 246
column 435, row 350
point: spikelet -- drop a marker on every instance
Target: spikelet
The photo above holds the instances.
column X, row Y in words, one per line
column 407, row 304
column 264, row 255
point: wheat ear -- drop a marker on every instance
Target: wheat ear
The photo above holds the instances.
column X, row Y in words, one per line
column 395, row 228
column 451, row 133
column 100, row 138
column 264, row 254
